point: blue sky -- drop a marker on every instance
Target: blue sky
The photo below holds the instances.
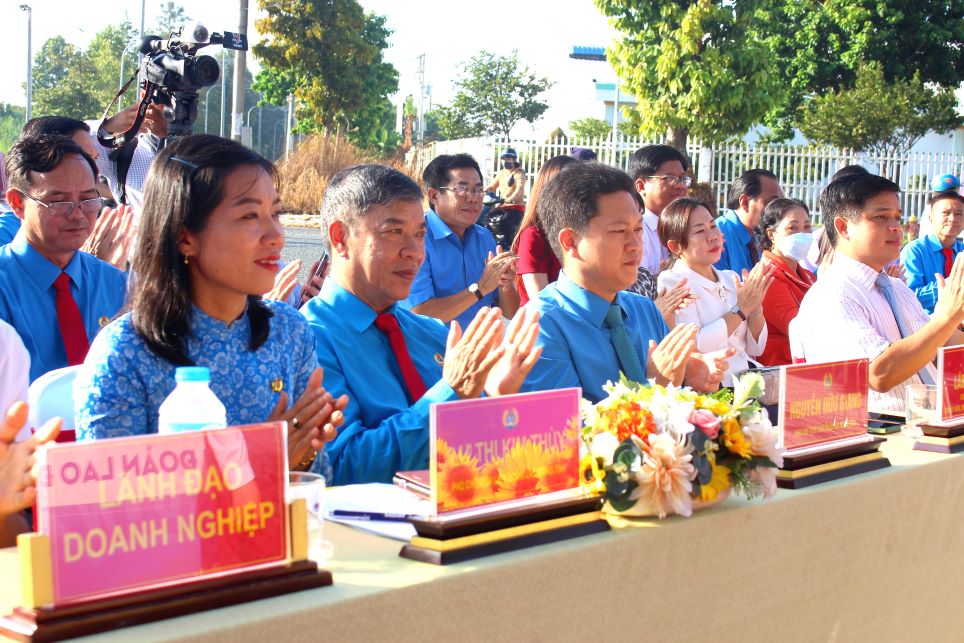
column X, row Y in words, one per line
column 542, row 31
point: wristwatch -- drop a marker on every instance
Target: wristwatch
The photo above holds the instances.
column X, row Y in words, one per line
column 475, row 290
column 736, row 311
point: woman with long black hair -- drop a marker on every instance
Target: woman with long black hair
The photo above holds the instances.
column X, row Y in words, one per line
column 209, row 244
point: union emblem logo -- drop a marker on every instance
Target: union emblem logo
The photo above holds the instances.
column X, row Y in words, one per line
column 510, row 419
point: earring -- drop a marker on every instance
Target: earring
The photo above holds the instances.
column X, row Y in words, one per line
column 185, row 260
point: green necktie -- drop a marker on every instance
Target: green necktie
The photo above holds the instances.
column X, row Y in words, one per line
column 628, row 358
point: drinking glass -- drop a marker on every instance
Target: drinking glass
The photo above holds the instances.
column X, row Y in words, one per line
column 921, row 408
column 311, row 487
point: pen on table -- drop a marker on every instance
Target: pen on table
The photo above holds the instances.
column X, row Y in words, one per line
column 368, row 515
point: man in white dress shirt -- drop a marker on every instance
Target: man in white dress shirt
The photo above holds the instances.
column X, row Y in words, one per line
column 848, row 313
column 659, row 172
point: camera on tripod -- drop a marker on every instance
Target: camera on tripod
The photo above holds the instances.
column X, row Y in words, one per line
column 170, row 74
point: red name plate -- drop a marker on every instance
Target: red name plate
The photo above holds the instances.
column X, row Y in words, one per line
column 132, row 513
column 503, row 448
column 823, row 402
column 950, row 395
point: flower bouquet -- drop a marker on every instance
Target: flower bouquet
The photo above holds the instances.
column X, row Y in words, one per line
column 655, row 450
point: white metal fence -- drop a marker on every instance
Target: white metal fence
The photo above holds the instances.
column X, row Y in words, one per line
column 803, row 171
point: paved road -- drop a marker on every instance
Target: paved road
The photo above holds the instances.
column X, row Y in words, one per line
column 304, row 244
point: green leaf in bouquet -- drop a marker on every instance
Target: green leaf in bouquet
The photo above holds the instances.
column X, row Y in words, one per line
column 749, row 386
column 622, row 502
column 628, row 454
column 616, row 487
column 704, row 470
column 698, row 441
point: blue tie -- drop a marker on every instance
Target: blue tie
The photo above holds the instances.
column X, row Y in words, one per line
column 883, row 283
column 628, row 358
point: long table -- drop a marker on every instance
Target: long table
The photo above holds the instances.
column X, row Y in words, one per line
column 875, row 557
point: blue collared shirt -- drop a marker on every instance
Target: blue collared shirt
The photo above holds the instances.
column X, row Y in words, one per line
column 451, row 265
column 9, row 226
column 576, row 346
column 28, row 299
column 736, row 255
column 922, row 259
column 384, row 432
column 120, row 388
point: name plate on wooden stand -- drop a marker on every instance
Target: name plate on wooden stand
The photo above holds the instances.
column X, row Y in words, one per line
column 139, row 529
column 946, row 435
column 823, row 418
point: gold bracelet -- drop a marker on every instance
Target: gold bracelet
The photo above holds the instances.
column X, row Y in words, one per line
column 305, row 464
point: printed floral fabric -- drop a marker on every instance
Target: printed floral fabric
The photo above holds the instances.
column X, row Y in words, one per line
column 121, row 385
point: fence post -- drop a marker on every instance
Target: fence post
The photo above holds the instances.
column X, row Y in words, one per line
column 705, row 172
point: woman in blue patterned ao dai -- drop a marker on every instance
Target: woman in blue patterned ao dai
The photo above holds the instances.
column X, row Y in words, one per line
column 209, row 243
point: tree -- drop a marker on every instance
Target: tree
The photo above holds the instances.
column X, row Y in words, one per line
column 881, row 118
column 493, row 94
column 590, row 127
column 329, row 53
column 819, row 46
column 171, row 18
column 62, row 81
column 11, row 122
column 692, row 66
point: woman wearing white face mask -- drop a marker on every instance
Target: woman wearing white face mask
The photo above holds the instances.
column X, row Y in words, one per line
column 785, row 238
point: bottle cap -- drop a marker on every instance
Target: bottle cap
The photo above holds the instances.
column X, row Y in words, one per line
column 192, row 374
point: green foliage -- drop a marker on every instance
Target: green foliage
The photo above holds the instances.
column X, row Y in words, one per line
column 329, row 53
column 879, row 117
column 433, row 131
column 493, row 94
column 61, row 81
column 11, row 122
column 819, row 46
column 692, row 66
column 590, row 127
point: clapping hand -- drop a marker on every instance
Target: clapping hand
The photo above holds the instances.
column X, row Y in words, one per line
column 112, row 236
column 704, row 371
column 670, row 302
column 896, row 270
column 950, row 293
column 499, row 270
column 18, row 480
column 507, row 376
column 750, row 293
column 469, row 357
column 312, row 420
column 284, row 282
column 667, row 361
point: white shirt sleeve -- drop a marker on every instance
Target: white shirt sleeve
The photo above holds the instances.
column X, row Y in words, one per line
column 14, row 372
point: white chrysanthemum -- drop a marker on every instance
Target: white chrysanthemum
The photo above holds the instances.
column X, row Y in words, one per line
column 603, row 446
column 671, row 413
column 665, row 479
column 763, row 438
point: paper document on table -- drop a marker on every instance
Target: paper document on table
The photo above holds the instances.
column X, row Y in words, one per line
column 373, row 500
column 395, row 530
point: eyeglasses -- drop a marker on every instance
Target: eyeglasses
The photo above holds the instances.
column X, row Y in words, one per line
column 685, row 181
column 65, row 208
column 462, row 190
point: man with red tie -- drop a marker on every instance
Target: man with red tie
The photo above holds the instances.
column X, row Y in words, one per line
column 56, row 297
column 393, row 363
column 933, row 254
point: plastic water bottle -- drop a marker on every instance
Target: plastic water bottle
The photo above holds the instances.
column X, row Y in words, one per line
column 191, row 405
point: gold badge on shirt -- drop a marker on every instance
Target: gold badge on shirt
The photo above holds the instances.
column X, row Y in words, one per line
column 439, row 359
column 103, row 321
column 277, row 385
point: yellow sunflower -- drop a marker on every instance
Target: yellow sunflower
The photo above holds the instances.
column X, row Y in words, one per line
column 718, row 483
column 523, row 472
column 459, row 482
column 733, row 438
column 590, row 475
column 560, row 469
column 442, row 451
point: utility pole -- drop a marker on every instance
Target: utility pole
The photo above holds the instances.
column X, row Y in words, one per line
column 224, row 87
column 288, row 124
column 421, row 99
column 239, row 68
column 29, row 10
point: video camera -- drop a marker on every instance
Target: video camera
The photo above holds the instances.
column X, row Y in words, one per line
column 171, row 73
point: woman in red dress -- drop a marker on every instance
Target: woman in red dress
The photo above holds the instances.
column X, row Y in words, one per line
column 784, row 235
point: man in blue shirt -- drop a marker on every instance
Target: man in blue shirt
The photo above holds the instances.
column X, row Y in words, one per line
column 463, row 269
column 590, row 329
column 750, row 194
column 934, row 253
column 56, row 297
column 393, row 363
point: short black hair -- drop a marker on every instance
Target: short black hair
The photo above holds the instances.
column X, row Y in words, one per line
column 772, row 216
column 846, row 197
column 646, row 160
column 439, row 171
column 53, row 126
column 357, row 189
column 946, row 194
column 571, row 199
column 40, row 154
column 748, row 183
column 847, row 170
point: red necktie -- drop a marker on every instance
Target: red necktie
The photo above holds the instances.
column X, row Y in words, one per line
column 387, row 323
column 70, row 321
column 948, row 260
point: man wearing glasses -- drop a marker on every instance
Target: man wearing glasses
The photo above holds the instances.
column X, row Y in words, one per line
column 54, row 296
column 463, row 269
column 659, row 172
column 749, row 196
